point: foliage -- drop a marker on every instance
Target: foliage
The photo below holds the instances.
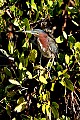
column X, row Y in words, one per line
column 27, row 90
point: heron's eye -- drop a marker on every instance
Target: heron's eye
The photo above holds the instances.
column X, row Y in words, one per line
column 37, row 33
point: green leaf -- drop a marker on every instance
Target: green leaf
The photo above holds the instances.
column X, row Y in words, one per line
column 67, row 83
column 8, row 109
column 12, row 8
column 55, row 108
column 20, row 66
column 58, row 40
column 33, row 5
column 67, row 59
column 77, row 45
column 14, row 82
column 52, row 87
column 42, row 79
column 16, row 22
column 29, row 75
column 71, row 41
column 50, row 2
column 32, row 56
column 7, row 71
column 62, row 72
column 43, row 119
column 14, row 118
column 32, row 1
column 20, row 107
column 25, row 45
column 43, row 108
column 20, row 100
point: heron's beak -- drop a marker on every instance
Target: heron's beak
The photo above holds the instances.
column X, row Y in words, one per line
column 32, row 32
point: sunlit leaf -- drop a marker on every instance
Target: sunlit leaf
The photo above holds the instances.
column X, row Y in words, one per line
column 77, row 45
column 75, row 23
column 14, row 82
column 12, row 8
column 43, row 119
column 42, row 79
column 25, row 45
column 29, row 75
column 50, row 2
column 43, row 108
column 67, row 59
column 20, row 65
column 14, row 118
column 64, row 34
column 58, row 40
column 20, row 107
column 16, row 22
column 20, row 100
column 44, row 97
column 48, row 109
column 33, row 5
column 59, row 73
column 62, row 72
column 52, row 87
column 38, row 105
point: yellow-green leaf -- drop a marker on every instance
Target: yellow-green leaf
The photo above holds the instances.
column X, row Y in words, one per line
column 7, row 71
column 77, row 45
column 33, row 5
column 55, row 108
column 42, row 79
column 20, row 65
column 20, row 107
column 20, row 100
column 43, row 108
column 59, row 73
column 67, row 83
column 14, row 118
column 67, row 59
column 29, row 75
column 58, row 40
column 52, row 87
column 32, row 56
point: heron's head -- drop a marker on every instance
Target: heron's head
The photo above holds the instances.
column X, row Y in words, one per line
column 36, row 32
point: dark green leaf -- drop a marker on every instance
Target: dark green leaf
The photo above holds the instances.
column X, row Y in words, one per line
column 7, row 71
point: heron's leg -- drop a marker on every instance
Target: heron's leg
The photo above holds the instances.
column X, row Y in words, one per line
column 40, row 65
column 40, row 59
column 51, row 61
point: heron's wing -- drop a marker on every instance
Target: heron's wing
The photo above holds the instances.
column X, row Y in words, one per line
column 53, row 47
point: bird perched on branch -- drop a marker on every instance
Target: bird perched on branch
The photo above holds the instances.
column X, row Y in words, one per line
column 46, row 44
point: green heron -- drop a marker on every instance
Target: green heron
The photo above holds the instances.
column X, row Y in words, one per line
column 46, row 44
